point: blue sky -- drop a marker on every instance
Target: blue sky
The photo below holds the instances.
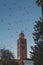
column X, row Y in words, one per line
column 17, row 16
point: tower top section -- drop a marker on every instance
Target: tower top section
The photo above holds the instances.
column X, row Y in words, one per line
column 21, row 35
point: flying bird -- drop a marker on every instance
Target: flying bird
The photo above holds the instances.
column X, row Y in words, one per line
column 10, row 15
column 10, row 8
column 2, row 20
column 16, row 32
column 9, row 23
column 4, row 5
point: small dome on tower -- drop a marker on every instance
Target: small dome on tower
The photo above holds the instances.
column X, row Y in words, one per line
column 22, row 33
column 21, row 36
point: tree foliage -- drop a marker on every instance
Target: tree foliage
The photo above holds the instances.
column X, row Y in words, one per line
column 37, row 49
column 6, row 57
column 6, row 54
column 39, row 2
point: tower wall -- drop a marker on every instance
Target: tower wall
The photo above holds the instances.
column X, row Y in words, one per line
column 21, row 48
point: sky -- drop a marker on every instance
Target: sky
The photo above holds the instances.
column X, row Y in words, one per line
column 17, row 16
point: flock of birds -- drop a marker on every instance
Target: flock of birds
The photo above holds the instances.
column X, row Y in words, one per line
column 26, row 11
column 20, row 8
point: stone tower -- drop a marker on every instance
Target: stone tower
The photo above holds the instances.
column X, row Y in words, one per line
column 21, row 47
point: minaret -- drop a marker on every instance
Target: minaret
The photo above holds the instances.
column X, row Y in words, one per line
column 21, row 47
